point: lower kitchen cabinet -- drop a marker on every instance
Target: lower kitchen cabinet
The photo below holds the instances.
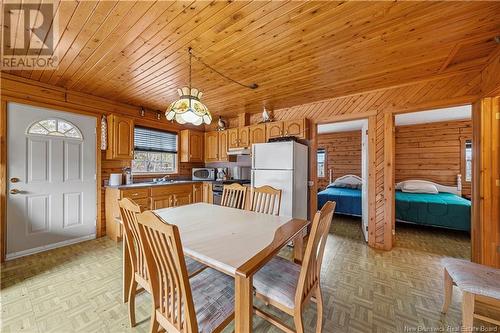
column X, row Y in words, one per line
column 150, row 197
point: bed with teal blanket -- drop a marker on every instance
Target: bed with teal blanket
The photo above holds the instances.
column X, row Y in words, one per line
column 445, row 210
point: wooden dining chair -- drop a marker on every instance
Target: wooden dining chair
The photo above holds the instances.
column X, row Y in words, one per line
column 289, row 286
column 234, row 195
column 204, row 303
column 265, row 199
column 129, row 210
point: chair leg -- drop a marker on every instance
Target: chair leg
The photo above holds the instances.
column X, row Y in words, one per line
column 467, row 312
column 131, row 302
column 319, row 310
column 297, row 318
column 448, row 291
column 153, row 325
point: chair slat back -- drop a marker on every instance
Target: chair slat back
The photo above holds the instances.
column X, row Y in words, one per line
column 128, row 211
column 313, row 257
column 233, row 196
column 266, row 200
column 169, row 280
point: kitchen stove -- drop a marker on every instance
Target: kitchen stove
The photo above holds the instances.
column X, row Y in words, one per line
column 218, row 187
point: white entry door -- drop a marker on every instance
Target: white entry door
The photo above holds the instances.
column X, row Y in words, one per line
column 51, row 176
column 364, row 176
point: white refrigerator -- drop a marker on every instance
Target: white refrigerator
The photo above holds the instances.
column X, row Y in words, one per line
column 283, row 165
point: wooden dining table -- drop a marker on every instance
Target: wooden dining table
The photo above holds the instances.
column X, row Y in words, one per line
column 233, row 241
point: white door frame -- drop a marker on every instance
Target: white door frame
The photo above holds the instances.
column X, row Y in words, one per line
column 3, row 170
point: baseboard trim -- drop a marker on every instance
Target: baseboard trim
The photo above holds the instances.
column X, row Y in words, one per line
column 39, row 249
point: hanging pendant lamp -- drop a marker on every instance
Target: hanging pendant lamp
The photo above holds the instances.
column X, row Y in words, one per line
column 189, row 108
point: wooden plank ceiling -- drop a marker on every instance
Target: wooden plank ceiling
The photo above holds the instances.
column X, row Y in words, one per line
column 298, row 52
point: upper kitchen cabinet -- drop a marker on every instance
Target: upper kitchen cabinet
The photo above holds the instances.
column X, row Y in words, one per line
column 274, row 129
column 297, row 128
column 120, row 138
column 233, row 138
column 211, row 146
column 258, row 133
column 216, row 144
column 223, row 144
column 244, row 137
column 191, row 146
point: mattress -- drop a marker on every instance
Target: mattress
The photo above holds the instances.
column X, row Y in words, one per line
column 348, row 200
column 440, row 210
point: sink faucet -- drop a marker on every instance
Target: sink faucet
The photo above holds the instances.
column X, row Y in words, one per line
column 164, row 178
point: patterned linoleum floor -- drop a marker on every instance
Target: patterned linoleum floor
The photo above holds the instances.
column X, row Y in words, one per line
column 78, row 288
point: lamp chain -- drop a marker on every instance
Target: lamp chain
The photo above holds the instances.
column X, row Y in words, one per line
column 250, row 86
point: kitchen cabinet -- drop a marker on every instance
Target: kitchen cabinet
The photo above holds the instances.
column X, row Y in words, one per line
column 150, row 197
column 120, row 138
column 211, row 146
column 297, row 128
column 191, row 146
column 223, row 145
column 162, row 202
column 198, row 192
column 274, row 129
column 233, row 138
column 244, row 137
column 238, row 137
column 257, row 133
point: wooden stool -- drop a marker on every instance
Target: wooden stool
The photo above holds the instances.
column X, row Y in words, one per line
column 477, row 283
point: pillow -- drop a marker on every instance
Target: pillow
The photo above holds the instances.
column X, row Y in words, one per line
column 419, row 187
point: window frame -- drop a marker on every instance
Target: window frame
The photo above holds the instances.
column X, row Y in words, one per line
column 324, row 162
column 177, row 162
column 463, row 164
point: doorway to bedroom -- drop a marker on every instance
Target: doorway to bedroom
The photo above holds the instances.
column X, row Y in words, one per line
column 433, row 176
column 342, row 171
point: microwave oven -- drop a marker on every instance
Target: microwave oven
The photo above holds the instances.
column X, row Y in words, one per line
column 203, row 173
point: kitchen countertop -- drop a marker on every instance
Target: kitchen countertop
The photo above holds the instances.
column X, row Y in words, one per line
column 150, row 184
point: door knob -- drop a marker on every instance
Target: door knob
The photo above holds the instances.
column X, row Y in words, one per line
column 15, row 191
column 14, row 180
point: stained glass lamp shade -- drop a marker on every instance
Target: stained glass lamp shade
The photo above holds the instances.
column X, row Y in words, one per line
column 188, row 108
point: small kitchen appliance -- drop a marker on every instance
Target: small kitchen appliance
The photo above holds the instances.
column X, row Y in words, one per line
column 203, row 174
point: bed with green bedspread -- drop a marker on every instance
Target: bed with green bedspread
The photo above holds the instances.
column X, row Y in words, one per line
column 445, row 210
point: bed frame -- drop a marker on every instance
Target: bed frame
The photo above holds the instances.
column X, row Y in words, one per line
column 441, row 188
column 349, row 179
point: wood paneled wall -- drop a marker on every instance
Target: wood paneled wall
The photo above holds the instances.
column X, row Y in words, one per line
column 486, row 192
column 432, row 151
column 440, row 91
column 343, row 155
column 30, row 92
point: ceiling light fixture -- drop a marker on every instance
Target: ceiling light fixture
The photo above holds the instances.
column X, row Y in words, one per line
column 189, row 108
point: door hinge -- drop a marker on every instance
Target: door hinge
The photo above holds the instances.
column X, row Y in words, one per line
column 498, row 248
column 498, row 182
column 497, row 116
column 366, row 227
column 393, row 232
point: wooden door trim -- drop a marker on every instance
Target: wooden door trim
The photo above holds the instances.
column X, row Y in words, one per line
column 3, row 163
column 372, row 132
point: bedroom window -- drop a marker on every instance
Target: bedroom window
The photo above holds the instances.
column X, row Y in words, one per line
column 468, row 160
column 154, row 151
column 321, row 157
